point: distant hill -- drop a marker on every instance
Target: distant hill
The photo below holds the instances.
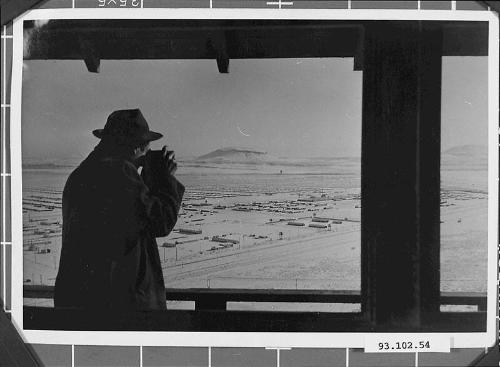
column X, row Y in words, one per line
column 256, row 157
column 45, row 166
column 470, row 151
column 471, row 157
column 51, row 163
column 235, row 155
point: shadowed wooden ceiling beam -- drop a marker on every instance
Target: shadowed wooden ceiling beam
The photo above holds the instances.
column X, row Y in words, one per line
column 218, row 45
column 90, row 55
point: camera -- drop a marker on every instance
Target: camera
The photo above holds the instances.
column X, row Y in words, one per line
column 154, row 156
column 159, row 155
column 158, row 160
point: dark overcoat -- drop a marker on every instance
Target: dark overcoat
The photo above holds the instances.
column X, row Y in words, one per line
column 111, row 218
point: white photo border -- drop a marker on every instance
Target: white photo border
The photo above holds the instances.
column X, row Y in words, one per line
column 249, row 339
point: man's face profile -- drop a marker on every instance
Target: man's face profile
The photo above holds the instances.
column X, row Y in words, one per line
column 141, row 151
column 139, row 154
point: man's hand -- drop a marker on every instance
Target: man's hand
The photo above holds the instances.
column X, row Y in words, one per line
column 169, row 158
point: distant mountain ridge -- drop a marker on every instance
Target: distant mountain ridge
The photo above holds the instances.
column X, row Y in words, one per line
column 42, row 162
column 467, row 151
column 470, row 157
column 235, row 155
column 45, row 165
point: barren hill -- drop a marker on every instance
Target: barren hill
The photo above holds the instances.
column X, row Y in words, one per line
column 465, row 157
column 235, row 155
column 467, row 151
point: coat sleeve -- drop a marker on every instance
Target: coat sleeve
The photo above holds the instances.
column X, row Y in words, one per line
column 139, row 209
column 166, row 192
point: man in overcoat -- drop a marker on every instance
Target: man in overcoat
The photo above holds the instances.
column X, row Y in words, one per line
column 111, row 218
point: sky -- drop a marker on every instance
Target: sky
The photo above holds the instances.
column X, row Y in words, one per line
column 286, row 107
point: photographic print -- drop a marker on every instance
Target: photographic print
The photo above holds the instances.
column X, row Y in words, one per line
column 256, row 175
column 267, row 193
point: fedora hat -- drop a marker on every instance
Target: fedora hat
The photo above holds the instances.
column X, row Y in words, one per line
column 127, row 126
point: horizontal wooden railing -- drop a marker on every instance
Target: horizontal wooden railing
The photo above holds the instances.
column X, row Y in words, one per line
column 217, row 298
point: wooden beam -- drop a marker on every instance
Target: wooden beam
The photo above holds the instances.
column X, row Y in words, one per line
column 223, row 63
column 44, row 318
column 90, row 55
column 359, row 55
column 478, row 299
column 218, row 45
column 428, row 175
column 188, row 39
column 400, row 173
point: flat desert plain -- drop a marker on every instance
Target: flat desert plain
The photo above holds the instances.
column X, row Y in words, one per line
column 252, row 222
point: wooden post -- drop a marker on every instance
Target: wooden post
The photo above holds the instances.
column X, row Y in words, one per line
column 210, row 303
column 400, row 176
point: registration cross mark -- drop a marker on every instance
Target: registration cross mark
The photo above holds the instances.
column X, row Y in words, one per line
column 280, row 3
